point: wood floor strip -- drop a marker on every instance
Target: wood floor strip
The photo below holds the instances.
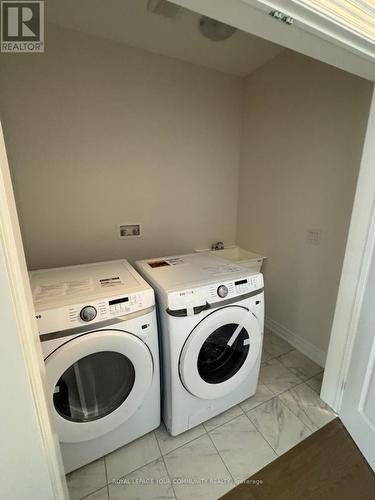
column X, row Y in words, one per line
column 325, row 466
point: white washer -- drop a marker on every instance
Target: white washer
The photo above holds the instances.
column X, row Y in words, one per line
column 99, row 338
column 212, row 317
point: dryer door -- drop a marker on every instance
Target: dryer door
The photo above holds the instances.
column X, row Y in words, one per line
column 97, row 381
column 220, row 352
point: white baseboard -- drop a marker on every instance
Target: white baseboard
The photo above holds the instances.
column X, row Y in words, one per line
column 306, row 347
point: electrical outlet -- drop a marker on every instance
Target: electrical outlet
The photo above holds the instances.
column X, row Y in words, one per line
column 129, row 230
column 314, row 236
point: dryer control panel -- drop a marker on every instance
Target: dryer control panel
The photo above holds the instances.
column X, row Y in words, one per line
column 76, row 315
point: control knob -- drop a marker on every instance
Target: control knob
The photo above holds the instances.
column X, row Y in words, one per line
column 88, row 313
column 222, row 291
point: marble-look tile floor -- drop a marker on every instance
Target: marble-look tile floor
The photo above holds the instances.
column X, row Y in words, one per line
column 210, row 459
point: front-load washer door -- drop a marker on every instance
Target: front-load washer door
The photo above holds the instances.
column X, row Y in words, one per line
column 97, row 381
column 220, row 352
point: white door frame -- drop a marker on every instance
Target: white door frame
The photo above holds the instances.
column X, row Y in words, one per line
column 11, row 243
column 359, row 250
column 359, row 246
column 315, row 36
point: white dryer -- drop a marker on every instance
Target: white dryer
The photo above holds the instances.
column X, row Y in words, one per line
column 99, row 338
column 212, row 317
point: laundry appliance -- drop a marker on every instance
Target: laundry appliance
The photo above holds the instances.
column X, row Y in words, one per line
column 99, row 338
column 212, row 317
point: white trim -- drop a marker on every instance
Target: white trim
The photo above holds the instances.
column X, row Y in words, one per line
column 11, row 241
column 358, row 254
column 303, row 345
column 366, row 387
column 311, row 35
column 329, row 24
column 354, row 15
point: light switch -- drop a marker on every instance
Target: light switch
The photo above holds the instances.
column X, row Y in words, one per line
column 314, row 236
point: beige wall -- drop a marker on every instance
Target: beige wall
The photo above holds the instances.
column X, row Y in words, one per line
column 303, row 133
column 100, row 134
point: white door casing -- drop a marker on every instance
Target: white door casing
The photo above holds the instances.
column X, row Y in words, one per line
column 107, row 340
column 35, row 480
column 311, row 34
column 188, row 366
column 358, row 403
column 357, row 261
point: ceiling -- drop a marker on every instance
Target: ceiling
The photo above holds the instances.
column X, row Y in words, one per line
column 129, row 22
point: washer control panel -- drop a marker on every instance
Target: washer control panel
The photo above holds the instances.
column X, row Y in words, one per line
column 235, row 288
column 242, row 286
column 125, row 304
column 214, row 293
column 77, row 315
column 104, row 310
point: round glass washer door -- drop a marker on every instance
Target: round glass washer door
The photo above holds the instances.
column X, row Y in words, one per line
column 220, row 352
column 97, row 381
